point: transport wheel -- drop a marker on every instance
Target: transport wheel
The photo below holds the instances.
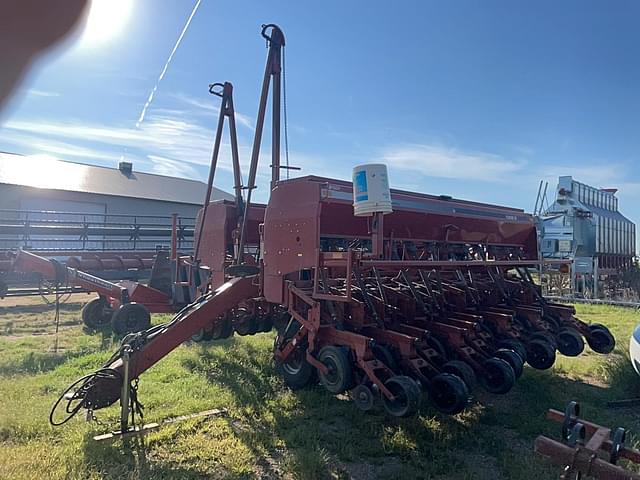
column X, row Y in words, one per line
column 513, row 359
column 247, row 325
column 600, row 339
column 545, row 337
column 339, row 378
column 265, row 323
column 96, row 313
column 406, row 400
column 449, row 393
column 498, row 376
column 417, row 386
column 385, row 355
column 515, row 345
column 540, row 354
column 207, row 334
column 462, row 370
column 296, row 372
column 130, row 317
column 363, row 398
column 203, row 335
column 222, row 328
column 570, row 342
column 555, row 325
column 198, row 336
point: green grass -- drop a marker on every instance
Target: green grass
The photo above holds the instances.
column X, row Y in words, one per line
column 271, row 432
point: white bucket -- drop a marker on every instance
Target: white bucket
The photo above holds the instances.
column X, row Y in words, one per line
column 371, row 192
column 634, row 349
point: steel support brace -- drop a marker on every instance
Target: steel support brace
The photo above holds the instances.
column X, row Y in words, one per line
column 125, row 395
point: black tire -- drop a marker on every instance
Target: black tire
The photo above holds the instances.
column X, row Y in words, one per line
column 407, row 401
column 513, row 359
column 198, row 336
column 540, row 354
column 339, row 378
column 462, row 370
column 129, row 318
column 449, row 393
column 248, row 325
column 555, row 323
column 498, row 376
column 265, row 323
column 385, row 355
column 545, row 337
column 222, row 328
column 296, row 372
column 363, row 397
column 600, row 339
column 515, row 345
column 570, row 342
column 96, row 314
column 207, row 334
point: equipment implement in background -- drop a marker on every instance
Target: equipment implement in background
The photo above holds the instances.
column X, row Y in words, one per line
column 175, row 281
column 587, row 448
column 428, row 296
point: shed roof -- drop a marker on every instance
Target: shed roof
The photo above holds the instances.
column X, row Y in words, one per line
column 49, row 173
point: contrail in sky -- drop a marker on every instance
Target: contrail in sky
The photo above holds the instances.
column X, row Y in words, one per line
column 166, row 65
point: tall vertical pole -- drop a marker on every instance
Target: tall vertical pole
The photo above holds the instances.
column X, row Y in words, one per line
column 273, row 67
column 535, row 208
column 275, row 113
column 174, row 236
column 125, row 393
column 237, row 179
column 214, row 159
column 377, row 235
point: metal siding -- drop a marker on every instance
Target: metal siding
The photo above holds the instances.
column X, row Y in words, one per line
column 627, row 236
column 620, row 238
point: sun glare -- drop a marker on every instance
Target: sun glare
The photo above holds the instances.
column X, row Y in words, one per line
column 106, row 20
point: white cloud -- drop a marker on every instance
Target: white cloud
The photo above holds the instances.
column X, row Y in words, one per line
column 172, row 168
column 60, row 149
column 41, row 93
column 213, row 105
column 445, row 162
column 211, row 108
column 165, row 136
column 169, row 142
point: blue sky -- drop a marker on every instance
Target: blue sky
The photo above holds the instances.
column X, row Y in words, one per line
column 479, row 100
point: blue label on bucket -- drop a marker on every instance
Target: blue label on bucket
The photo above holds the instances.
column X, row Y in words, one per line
column 360, row 184
column 636, row 334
